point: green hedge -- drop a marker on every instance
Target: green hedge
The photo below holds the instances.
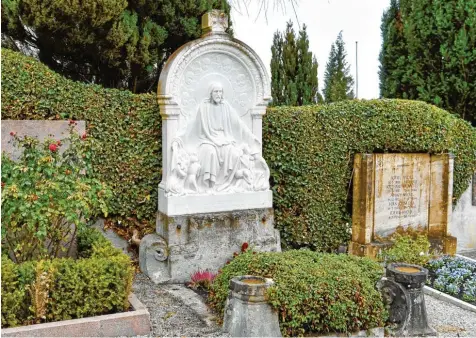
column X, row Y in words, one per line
column 313, row 292
column 127, row 126
column 309, row 150
column 63, row 288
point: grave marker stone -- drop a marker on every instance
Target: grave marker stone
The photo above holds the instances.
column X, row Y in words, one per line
column 214, row 194
column 398, row 191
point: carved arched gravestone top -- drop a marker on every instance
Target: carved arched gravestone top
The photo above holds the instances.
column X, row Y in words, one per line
column 212, row 93
column 215, row 57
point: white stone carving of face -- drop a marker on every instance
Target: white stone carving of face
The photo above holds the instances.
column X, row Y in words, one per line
column 216, row 93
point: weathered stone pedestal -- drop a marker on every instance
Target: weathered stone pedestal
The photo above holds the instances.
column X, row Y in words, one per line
column 247, row 314
column 402, row 290
column 186, row 244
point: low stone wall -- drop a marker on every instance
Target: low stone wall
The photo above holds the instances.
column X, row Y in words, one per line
column 129, row 324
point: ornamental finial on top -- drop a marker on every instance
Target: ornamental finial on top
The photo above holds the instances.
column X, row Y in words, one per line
column 214, row 21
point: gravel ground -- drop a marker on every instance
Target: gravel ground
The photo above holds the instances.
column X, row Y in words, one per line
column 168, row 315
column 171, row 318
column 450, row 320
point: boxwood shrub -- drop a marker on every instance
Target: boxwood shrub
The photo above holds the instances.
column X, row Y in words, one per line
column 62, row 288
column 309, row 150
column 313, row 292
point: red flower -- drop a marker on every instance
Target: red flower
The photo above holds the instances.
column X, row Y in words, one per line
column 84, row 136
column 58, row 142
column 244, row 246
column 53, row 147
column 13, row 133
column 72, row 122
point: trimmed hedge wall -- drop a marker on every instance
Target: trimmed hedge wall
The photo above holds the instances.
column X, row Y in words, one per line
column 64, row 288
column 309, row 149
column 313, row 292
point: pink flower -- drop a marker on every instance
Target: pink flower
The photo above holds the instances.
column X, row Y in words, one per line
column 53, row 147
column 84, row 136
column 13, row 133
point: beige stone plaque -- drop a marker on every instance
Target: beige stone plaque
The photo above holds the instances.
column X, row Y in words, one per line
column 401, row 192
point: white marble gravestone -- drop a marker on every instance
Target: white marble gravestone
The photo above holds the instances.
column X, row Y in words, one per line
column 213, row 93
column 215, row 193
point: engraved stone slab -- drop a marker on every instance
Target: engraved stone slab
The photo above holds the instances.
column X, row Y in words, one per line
column 392, row 191
column 401, row 192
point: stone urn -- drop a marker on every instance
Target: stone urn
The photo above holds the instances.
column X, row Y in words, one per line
column 247, row 313
column 402, row 291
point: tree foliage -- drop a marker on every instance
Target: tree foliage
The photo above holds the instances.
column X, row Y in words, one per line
column 428, row 53
column 338, row 81
column 293, row 69
column 115, row 43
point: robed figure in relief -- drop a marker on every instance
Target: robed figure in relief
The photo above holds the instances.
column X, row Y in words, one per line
column 217, row 152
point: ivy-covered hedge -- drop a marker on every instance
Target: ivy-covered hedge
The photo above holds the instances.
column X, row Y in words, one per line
column 309, row 150
column 127, row 127
column 63, row 288
column 313, row 292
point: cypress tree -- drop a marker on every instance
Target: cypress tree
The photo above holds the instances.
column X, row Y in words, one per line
column 115, row 43
column 338, row 82
column 437, row 62
column 293, row 69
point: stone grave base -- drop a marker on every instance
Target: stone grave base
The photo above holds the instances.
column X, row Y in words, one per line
column 188, row 243
column 445, row 245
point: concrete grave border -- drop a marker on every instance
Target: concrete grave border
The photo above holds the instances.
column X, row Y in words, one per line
column 129, row 324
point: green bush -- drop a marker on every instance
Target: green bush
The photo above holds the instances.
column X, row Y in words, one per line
column 127, row 127
column 63, row 288
column 407, row 248
column 47, row 196
column 313, row 292
column 309, row 150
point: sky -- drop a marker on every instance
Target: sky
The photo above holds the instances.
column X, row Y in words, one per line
column 359, row 21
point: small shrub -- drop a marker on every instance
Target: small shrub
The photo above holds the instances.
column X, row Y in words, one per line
column 313, row 293
column 63, row 288
column 47, row 196
column 407, row 248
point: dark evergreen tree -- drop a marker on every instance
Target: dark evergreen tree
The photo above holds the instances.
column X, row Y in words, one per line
column 437, row 62
column 338, row 82
column 115, row 43
column 393, row 71
column 293, row 69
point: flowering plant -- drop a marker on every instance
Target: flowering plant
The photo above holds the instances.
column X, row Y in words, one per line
column 202, row 279
column 47, row 196
column 455, row 276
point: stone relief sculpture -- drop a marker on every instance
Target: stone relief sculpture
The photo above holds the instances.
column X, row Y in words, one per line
column 216, row 152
